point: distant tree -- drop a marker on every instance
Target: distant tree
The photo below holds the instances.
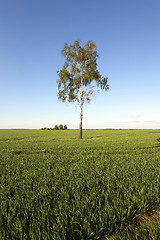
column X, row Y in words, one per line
column 60, row 127
column 56, row 127
column 65, row 127
column 79, row 77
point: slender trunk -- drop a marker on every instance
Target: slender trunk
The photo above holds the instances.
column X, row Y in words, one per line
column 80, row 123
column 81, row 111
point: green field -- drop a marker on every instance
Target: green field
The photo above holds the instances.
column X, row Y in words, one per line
column 54, row 186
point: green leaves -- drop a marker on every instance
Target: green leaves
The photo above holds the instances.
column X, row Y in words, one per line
column 79, row 70
column 103, row 83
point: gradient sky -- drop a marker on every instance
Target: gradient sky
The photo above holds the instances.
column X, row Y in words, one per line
column 127, row 35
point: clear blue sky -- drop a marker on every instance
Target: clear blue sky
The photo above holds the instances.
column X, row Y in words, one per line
column 127, row 35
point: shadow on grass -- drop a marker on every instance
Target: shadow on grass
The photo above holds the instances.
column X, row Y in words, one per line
column 93, row 138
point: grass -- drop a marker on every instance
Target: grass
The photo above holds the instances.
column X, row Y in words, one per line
column 54, row 186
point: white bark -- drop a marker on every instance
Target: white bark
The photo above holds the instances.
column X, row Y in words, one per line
column 81, row 110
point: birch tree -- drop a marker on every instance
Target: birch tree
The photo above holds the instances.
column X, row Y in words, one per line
column 79, row 78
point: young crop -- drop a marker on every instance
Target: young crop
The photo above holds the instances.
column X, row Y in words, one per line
column 53, row 186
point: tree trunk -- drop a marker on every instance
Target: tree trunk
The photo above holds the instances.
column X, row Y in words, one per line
column 80, row 123
column 81, row 112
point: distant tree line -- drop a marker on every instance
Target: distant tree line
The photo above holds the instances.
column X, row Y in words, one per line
column 46, row 128
column 56, row 127
column 60, row 127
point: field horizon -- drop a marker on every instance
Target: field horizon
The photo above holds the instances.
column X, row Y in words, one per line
column 83, row 129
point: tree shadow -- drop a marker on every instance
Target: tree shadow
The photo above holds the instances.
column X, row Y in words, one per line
column 93, row 138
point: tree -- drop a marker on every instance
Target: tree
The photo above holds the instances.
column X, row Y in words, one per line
column 60, row 127
column 79, row 77
column 65, row 127
column 56, row 127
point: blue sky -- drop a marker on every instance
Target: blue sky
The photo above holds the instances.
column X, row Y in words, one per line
column 127, row 35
